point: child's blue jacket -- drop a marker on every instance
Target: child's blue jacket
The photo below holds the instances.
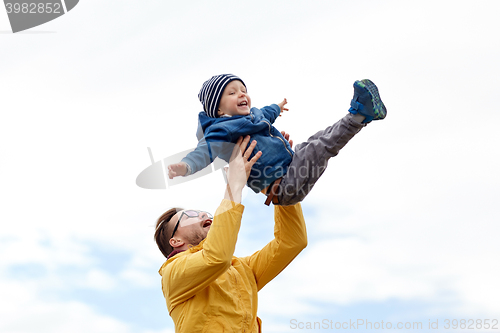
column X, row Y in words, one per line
column 214, row 134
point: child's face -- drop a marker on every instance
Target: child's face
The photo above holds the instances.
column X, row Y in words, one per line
column 235, row 100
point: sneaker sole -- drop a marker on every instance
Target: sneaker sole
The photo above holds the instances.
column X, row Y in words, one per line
column 378, row 106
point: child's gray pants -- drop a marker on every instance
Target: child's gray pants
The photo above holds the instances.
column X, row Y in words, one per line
column 311, row 158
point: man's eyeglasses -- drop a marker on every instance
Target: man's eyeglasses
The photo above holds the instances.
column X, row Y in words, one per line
column 190, row 214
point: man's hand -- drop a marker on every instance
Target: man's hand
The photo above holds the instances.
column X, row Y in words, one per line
column 287, row 138
column 282, row 106
column 179, row 169
column 239, row 168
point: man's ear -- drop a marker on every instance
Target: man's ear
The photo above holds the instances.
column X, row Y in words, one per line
column 175, row 242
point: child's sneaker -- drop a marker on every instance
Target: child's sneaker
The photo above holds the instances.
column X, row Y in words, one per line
column 367, row 102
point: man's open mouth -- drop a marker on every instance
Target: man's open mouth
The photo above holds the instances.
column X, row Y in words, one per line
column 207, row 223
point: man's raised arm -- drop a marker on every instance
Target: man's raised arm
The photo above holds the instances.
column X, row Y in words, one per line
column 290, row 238
column 187, row 273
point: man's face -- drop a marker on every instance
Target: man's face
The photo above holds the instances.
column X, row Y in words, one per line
column 235, row 100
column 193, row 225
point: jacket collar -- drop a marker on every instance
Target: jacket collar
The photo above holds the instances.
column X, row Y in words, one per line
column 173, row 253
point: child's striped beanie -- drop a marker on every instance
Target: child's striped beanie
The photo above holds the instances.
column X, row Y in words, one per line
column 211, row 92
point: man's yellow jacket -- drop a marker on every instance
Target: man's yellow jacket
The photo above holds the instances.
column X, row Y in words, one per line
column 207, row 289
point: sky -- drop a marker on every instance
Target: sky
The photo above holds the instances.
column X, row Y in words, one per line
column 403, row 227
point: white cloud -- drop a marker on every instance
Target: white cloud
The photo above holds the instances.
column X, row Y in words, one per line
column 27, row 307
column 97, row 279
column 26, row 312
column 368, row 256
column 141, row 278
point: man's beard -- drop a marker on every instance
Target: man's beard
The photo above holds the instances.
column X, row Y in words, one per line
column 196, row 237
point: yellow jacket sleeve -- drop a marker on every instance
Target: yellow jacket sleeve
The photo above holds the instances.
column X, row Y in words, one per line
column 290, row 238
column 188, row 272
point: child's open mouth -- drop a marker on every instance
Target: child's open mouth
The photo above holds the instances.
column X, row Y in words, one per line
column 243, row 104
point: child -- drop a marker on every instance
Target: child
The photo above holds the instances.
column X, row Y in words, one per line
column 288, row 176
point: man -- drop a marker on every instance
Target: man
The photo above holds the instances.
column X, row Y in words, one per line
column 206, row 288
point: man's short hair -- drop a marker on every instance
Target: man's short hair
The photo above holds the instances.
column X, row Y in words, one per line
column 164, row 230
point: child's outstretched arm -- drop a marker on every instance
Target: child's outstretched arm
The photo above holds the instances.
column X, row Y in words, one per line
column 282, row 106
column 272, row 112
column 216, row 141
column 178, row 169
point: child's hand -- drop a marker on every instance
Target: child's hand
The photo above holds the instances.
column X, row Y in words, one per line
column 179, row 169
column 287, row 138
column 282, row 106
